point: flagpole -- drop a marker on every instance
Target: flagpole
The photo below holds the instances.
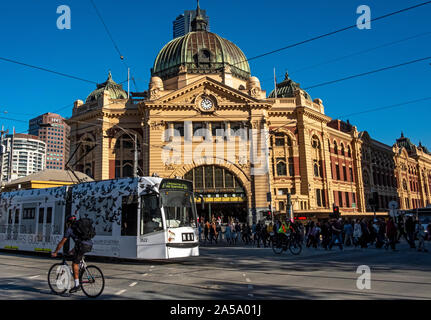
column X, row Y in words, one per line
column 128, row 83
column 275, row 84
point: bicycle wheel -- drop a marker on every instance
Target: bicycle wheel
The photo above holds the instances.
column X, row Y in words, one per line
column 277, row 246
column 92, row 281
column 59, row 278
column 295, row 247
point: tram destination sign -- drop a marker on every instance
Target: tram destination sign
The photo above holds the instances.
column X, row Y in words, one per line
column 176, row 185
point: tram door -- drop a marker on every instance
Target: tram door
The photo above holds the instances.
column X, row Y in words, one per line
column 16, row 224
column 40, row 224
column 44, row 227
column 9, row 224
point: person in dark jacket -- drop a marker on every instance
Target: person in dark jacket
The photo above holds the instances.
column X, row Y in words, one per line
column 391, row 233
column 410, row 230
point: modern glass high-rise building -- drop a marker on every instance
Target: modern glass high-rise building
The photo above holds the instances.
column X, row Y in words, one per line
column 182, row 24
column 22, row 155
column 54, row 131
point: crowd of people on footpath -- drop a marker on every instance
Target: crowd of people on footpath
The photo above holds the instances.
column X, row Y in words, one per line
column 235, row 232
column 361, row 232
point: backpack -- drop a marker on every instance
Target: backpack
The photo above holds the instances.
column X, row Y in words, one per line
column 84, row 229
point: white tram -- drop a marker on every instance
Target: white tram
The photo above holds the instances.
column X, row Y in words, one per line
column 135, row 218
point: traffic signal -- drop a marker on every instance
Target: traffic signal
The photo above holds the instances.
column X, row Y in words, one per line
column 335, row 212
column 268, row 215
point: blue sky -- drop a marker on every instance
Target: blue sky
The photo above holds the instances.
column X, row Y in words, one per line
column 141, row 28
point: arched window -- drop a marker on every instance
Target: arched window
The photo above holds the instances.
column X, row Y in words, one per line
column 124, row 156
column 342, row 149
column 281, row 167
column 210, row 177
column 315, row 143
column 349, row 152
column 86, row 153
column 335, row 147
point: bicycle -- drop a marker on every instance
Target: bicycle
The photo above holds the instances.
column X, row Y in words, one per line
column 60, row 278
column 282, row 241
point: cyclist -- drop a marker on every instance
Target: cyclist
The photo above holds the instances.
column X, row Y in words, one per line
column 81, row 247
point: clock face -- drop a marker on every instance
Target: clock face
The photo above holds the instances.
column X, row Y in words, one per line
column 206, row 104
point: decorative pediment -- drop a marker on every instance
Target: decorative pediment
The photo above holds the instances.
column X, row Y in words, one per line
column 220, row 94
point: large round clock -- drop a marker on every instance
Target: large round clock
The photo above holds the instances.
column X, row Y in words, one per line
column 206, row 104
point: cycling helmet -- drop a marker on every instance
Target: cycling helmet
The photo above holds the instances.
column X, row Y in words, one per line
column 71, row 219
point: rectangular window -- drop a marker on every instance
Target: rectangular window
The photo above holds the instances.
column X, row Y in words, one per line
column 291, row 167
column 318, row 198
column 151, row 216
column 281, row 206
column 17, row 211
column 217, row 129
column 347, row 200
column 340, row 199
column 41, row 213
column 199, row 129
column 345, row 173
column 48, row 215
column 337, row 170
column 179, row 129
column 351, row 174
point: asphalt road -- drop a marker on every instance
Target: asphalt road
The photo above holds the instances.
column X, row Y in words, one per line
column 237, row 273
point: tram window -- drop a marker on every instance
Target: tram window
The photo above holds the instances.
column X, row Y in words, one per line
column 41, row 214
column 151, row 216
column 29, row 214
column 178, row 209
column 129, row 217
column 48, row 215
column 17, row 216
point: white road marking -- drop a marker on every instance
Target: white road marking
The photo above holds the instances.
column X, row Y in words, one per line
column 145, row 274
column 133, row 284
column 251, row 295
column 247, row 279
column 33, row 277
column 120, row 292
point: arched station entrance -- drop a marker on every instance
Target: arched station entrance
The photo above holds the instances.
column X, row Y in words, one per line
column 222, row 193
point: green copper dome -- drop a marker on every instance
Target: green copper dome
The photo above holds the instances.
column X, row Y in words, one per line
column 115, row 90
column 286, row 89
column 200, row 52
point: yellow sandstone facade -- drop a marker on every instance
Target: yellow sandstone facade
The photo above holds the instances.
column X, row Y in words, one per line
column 205, row 118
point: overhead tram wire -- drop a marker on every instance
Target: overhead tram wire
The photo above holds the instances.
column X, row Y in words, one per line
column 253, row 58
column 333, row 32
column 367, row 73
column 113, row 41
column 47, row 70
column 353, row 54
column 384, row 107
